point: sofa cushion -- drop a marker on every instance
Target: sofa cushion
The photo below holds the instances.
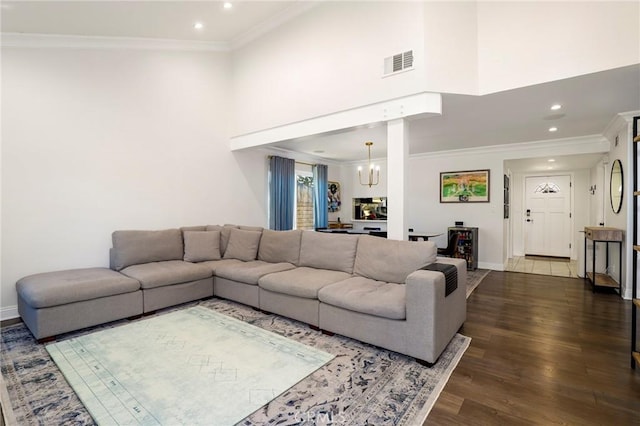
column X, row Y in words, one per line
column 243, row 245
column 201, row 245
column 280, row 246
column 320, row 250
column 250, row 272
column 135, row 247
column 367, row 296
column 391, row 260
column 215, row 264
column 73, row 285
column 225, row 231
column 301, row 282
column 159, row 274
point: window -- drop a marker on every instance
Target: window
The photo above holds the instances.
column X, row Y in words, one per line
column 547, row 188
column 304, row 201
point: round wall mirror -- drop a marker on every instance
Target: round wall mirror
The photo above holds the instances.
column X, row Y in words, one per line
column 616, row 187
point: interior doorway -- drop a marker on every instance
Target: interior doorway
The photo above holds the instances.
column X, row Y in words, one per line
column 548, row 216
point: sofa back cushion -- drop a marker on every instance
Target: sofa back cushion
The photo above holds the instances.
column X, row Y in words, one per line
column 136, row 247
column 201, row 246
column 243, row 245
column 250, row 228
column 225, row 231
column 321, row 250
column 193, row 228
column 391, row 260
column 280, row 246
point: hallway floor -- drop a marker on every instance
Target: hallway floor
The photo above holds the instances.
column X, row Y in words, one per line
column 543, row 266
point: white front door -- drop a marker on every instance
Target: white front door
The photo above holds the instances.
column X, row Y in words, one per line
column 548, row 215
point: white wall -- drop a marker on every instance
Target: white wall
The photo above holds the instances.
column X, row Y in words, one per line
column 428, row 214
column 99, row 140
column 451, row 47
column 326, row 60
column 619, row 135
column 530, row 42
column 330, row 58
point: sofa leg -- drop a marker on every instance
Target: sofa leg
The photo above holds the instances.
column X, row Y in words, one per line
column 148, row 314
column 425, row 363
column 328, row 333
column 314, row 327
column 135, row 317
column 47, row 340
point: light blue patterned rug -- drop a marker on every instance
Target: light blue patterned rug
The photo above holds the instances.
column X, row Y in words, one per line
column 193, row 366
column 362, row 385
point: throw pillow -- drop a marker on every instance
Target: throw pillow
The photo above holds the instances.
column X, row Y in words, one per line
column 243, row 245
column 200, row 246
column 224, row 234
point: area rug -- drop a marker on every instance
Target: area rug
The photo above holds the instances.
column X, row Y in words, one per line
column 474, row 278
column 165, row 370
column 362, row 385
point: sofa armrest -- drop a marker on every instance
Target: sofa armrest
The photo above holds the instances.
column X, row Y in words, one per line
column 433, row 318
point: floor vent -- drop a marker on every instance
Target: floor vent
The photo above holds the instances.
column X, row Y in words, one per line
column 397, row 63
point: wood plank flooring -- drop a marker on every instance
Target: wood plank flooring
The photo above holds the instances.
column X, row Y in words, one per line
column 544, row 350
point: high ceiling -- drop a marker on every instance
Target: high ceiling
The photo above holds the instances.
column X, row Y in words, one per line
column 170, row 20
column 589, row 102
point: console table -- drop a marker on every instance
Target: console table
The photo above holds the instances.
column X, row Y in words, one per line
column 601, row 234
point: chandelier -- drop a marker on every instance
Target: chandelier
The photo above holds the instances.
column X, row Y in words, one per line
column 371, row 180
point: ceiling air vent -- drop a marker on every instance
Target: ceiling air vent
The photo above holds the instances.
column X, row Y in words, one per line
column 400, row 62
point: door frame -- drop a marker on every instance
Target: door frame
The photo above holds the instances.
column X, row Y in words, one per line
column 522, row 218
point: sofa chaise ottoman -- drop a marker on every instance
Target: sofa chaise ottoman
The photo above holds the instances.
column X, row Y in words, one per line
column 57, row 302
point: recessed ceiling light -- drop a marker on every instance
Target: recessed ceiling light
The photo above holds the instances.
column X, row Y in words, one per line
column 198, row 25
column 555, row 107
column 227, row 5
column 553, row 129
column 551, row 160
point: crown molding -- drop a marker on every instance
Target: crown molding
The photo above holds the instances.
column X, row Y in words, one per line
column 259, row 30
column 618, row 122
column 298, row 156
column 51, row 41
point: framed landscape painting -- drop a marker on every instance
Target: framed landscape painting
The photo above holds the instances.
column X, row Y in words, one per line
column 469, row 186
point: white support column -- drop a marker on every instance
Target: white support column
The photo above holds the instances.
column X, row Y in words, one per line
column 397, row 172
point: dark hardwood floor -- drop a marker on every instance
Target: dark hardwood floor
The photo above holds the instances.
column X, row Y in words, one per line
column 544, row 350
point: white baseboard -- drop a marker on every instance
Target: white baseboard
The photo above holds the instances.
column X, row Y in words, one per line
column 9, row 312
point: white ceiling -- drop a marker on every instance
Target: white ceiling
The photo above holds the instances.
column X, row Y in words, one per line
column 171, row 20
column 589, row 102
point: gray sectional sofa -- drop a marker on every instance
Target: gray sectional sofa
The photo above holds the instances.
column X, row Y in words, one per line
column 368, row 288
